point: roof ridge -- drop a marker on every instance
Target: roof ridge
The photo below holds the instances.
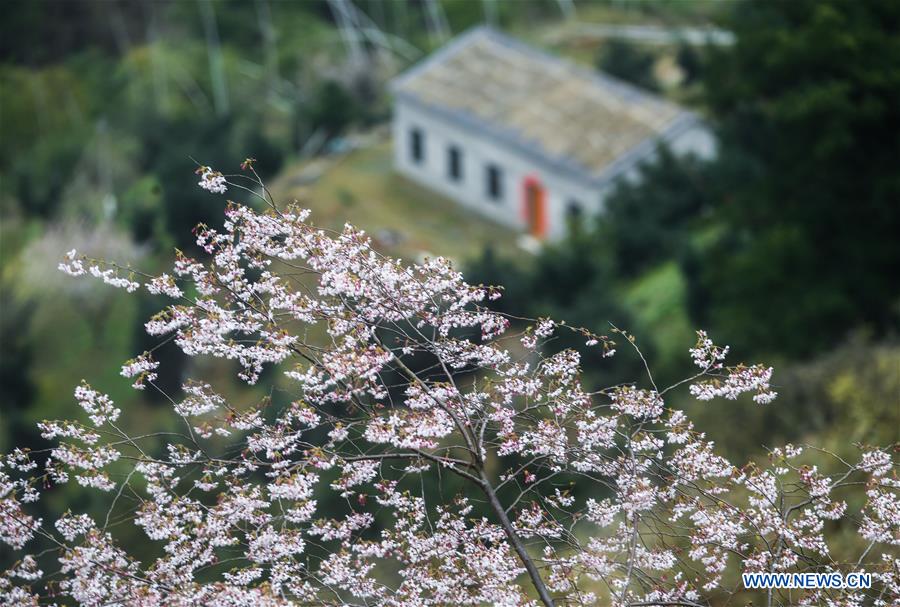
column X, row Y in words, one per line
column 599, row 77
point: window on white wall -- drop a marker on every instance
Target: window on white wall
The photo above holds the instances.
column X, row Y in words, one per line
column 494, row 182
column 416, row 145
column 574, row 209
column 454, row 163
column 574, row 214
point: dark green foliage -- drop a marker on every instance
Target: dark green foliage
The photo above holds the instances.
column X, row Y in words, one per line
column 570, row 281
column 141, row 211
column 39, row 179
column 16, row 387
column 690, row 62
column 170, row 145
column 36, row 33
column 646, row 221
column 628, row 62
column 332, row 108
column 807, row 104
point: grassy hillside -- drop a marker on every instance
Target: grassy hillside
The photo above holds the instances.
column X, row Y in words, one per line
column 404, row 218
column 657, row 301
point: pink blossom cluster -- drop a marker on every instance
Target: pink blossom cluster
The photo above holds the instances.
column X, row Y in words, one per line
column 551, row 494
column 142, row 369
column 212, row 181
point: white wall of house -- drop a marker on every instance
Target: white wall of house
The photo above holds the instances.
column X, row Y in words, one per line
column 697, row 140
column 479, row 150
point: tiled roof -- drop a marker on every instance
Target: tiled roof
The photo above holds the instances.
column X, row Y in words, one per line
column 571, row 117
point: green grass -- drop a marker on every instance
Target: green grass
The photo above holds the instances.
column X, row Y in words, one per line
column 657, row 300
column 363, row 189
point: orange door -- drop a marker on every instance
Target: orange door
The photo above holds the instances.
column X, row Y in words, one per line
column 533, row 207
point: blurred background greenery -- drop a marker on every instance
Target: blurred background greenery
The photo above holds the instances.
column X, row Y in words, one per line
column 784, row 246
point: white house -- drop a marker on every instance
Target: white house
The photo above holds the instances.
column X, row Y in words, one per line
column 523, row 137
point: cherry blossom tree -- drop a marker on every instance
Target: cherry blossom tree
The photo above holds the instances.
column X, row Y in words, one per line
column 399, row 372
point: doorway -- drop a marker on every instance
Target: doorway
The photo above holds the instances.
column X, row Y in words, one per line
column 533, row 207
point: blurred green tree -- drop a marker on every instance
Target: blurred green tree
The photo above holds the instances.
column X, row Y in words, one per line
column 807, row 105
column 628, row 62
column 573, row 280
column 647, row 220
column 332, row 108
column 690, row 61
